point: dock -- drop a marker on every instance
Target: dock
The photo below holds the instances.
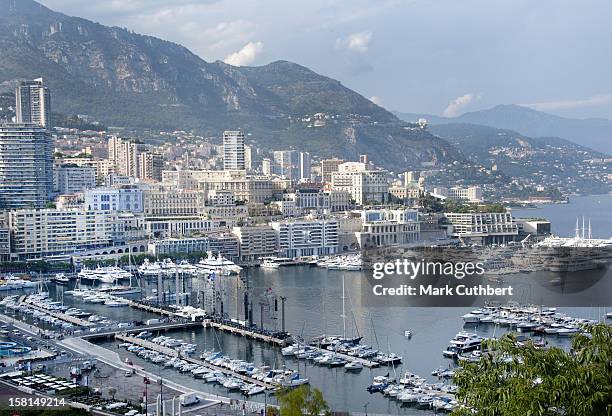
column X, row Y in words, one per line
column 162, row 326
column 61, row 316
column 349, row 358
column 150, row 308
column 208, row 323
column 173, row 353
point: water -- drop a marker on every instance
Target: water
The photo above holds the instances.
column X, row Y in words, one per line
column 314, row 307
column 597, row 208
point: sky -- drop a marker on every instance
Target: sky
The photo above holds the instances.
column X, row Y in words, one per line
column 444, row 57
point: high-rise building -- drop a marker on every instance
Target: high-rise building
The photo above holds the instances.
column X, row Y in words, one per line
column 248, row 157
column 26, row 166
column 233, row 150
column 292, row 164
column 150, row 166
column 124, row 155
column 305, row 171
column 266, row 167
column 329, row 166
column 33, row 103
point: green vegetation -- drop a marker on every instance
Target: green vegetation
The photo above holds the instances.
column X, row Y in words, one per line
column 520, row 379
column 433, row 204
column 303, row 400
column 33, row 267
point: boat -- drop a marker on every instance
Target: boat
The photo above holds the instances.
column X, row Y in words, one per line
column 218, row 265
column 116, row 303
column 61, row 279
column 255, row 389
column 276, row 262
column 294, row 381
column 462, row 343
column 353, row 366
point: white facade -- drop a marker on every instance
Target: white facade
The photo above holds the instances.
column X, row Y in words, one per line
column 256, row 242
column 386, row 227
column 121, row 198
column 307, row 237
column 365, row 186
column 33, row 103
column 46, row 232
column 233, row 151
column 483, row 228
column 471, row 194
column 170, row 246
column 74, row 179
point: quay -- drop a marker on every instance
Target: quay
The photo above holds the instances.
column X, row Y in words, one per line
column 245, row 333
column 174, row 353
column 62, row 316
column 150, row 308
column 163, row 326
column 349, row 358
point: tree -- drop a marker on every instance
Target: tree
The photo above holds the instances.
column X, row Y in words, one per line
column 518, row 378
column 112, row 391
column 302, row 400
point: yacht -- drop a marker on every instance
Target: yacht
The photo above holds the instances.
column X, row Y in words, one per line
column 462, row 343
column 109, row 274
column 61, row 279
column 276, row 262
column 13, row 283
column 218, row 265
column 353, row 366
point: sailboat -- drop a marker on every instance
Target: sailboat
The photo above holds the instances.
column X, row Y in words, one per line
column 325, row 341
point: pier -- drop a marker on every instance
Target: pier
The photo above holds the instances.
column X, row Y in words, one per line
column 162, row 326
column 245, row 333
column 150, row 308
column 62, row 316
column 173, row 353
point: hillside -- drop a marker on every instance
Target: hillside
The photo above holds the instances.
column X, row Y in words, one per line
column 593, row 133
column 550, row 160
column 142, row 82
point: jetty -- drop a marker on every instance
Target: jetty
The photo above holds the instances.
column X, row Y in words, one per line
column 174, row 353
column 237, row 330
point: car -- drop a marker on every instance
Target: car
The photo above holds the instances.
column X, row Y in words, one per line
column 128, row 373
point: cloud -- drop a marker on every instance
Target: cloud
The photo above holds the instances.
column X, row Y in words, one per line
column 356, row 42
column 455, row 106
column 246, row 55
column 570, row 104
column 377, row 100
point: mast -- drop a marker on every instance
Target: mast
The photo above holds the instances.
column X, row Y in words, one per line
column 343, row 316
column 577, row 229
column 583, row 227
column 590, row 229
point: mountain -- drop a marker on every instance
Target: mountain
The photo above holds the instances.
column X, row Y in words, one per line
column 551, row 161
column 595, row 133
column 141, row 82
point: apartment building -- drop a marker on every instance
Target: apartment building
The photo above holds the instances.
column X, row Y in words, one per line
column 482, row 228
column 26, row 166
column 72, row 179
column 119, row 198
column 47, row 232
column 306, row 237
column 256, row 242
column 364, row 186
column 386, row 227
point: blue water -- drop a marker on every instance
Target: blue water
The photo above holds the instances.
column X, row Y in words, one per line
column 597, row 208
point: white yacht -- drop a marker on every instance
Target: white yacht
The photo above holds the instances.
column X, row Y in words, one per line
column 109, row 274
column 218, row 265
column 462, row 343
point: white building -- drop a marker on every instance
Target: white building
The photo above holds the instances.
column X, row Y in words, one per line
column 120, row 198
column 48, row 232
column 308, row 237
column 33, row 103
column 387, row 227
column 171, row 246
column 256, row 242
column 71, row 179
column 482, row 228
column 233, row 150
column 365, row 186
column 457, row 193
